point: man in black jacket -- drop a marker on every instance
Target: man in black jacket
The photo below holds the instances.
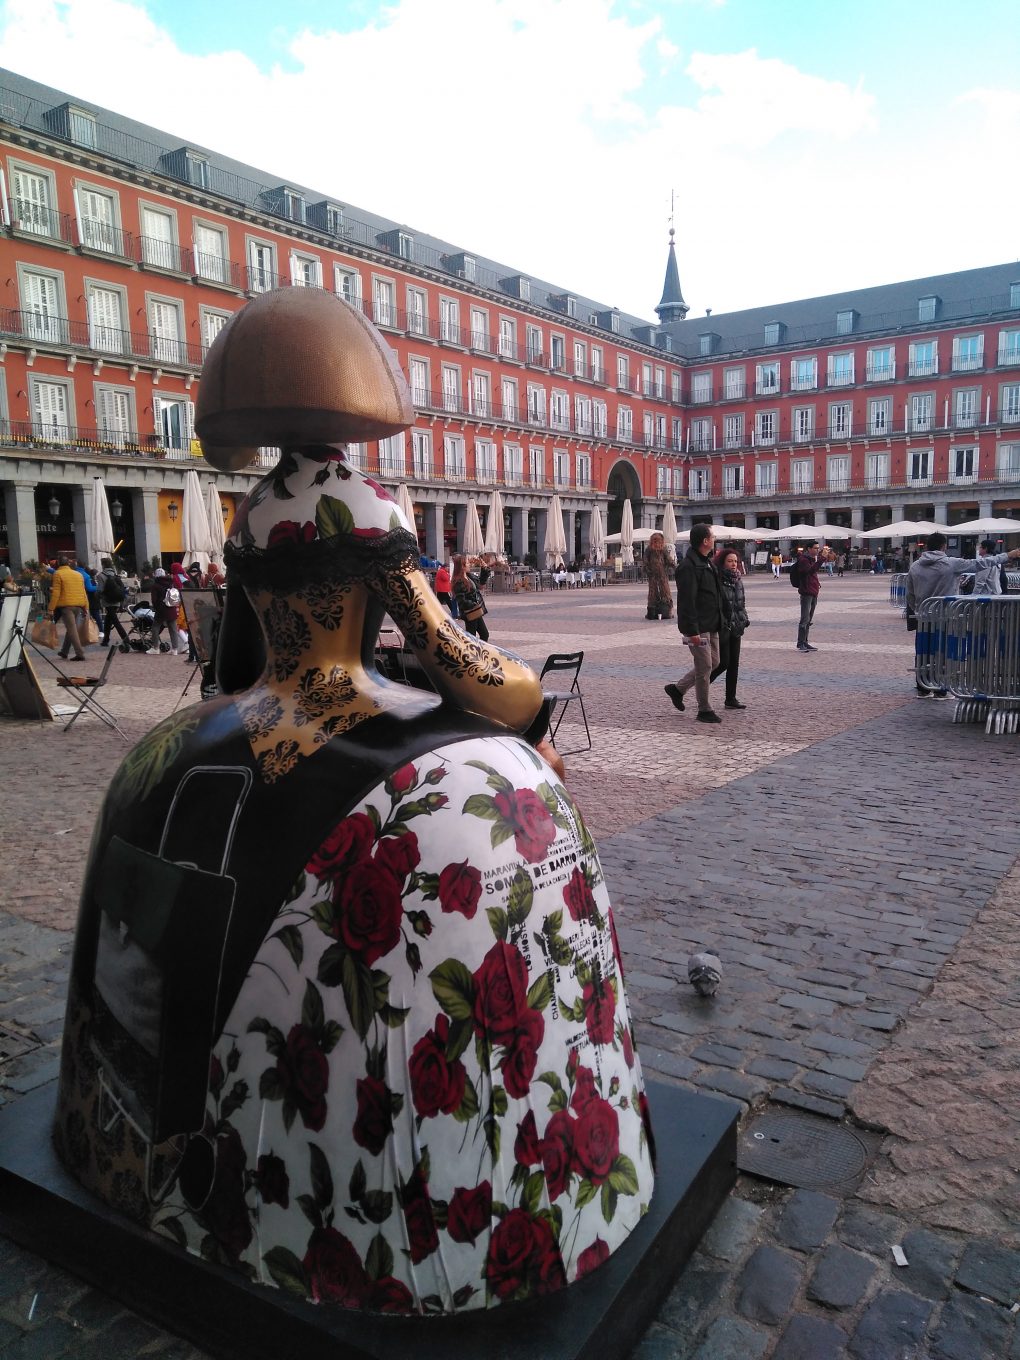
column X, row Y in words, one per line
column 701, row 613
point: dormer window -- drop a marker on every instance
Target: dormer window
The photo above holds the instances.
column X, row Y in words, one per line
column 518, row 286
column 463, row 266
column 927, row 307
column 405, row 246
column 707, row 342
column 328, row 217
column 775, row 332
column 77, row 125
column 845, row 322
column 1014, row 295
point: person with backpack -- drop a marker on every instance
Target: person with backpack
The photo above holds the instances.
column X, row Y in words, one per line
column 112, row 594
column 166, row 600
column 804, row 579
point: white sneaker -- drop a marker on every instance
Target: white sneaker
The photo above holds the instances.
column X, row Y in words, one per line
column 152, row 651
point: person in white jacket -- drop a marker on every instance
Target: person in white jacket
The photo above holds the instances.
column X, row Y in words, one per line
column 935, row 573
column 986, row 574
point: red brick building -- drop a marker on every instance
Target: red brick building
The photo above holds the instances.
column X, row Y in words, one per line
column 125, row 250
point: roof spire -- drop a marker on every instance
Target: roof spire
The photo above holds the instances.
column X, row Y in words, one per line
column 672, row 307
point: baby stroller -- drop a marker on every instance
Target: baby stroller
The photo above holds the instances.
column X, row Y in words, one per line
column 143, row 628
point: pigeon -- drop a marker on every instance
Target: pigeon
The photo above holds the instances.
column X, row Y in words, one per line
column 705, row 973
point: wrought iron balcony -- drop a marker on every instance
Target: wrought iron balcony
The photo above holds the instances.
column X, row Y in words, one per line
column 210, row 268
column 37, row 220
column 38, row 329
column 155, row 253
column 104, row 238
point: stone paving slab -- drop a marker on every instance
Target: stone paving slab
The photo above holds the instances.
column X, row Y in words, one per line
column 845, row 850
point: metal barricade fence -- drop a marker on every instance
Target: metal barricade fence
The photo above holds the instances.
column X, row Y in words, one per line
column 898, row 591
column 970, row 646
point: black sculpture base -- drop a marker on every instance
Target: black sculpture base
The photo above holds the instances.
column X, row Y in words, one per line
column 44, row 1209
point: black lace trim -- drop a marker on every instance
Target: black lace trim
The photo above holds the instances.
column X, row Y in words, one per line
column 344, row 558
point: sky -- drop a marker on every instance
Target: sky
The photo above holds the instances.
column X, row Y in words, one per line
column 798, row 147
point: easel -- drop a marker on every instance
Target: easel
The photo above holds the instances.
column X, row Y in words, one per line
column 20, row 692
column 203, row 612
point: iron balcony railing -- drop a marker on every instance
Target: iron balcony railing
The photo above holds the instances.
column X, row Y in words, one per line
column 37, row 220
column 104, row 238
column 56, row 437
column 39, row 329
column 153, row 252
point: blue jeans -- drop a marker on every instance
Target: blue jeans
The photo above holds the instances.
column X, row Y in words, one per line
column 807, row 613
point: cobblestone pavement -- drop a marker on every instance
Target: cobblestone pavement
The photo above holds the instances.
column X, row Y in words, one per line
column 846, row 850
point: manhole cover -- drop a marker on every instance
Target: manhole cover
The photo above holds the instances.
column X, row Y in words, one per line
column 804, row 1150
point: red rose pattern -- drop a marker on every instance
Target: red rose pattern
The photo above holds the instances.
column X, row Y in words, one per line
column 501, row 990
column 399, row 855
column 304, row 1072
column 596, row 1140
column 579, row 898
column 437, row 1086
column 599, row 1011
column 374, row 1122
column 592, row 1257
column 348, row 843
column 368, row 869
column 334, row 1270
column 460, row 887
column 534, row 829
column 289, row 531
column 370, row 911
column 470, row 1212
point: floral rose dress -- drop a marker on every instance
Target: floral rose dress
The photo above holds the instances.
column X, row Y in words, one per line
column 427, row 1096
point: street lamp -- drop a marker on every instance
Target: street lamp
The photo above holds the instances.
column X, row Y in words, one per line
column 116, row 509
column 172, row 510
column 54, row 506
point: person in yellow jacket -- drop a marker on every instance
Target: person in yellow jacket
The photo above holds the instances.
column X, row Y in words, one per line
column 69, row 603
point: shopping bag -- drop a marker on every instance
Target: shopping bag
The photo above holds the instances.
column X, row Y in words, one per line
column 44, row 634
column 90, row 632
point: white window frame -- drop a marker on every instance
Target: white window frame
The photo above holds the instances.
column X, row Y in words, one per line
column 580, row 359
column 106, row 336
column 700, row 433
column 561, row 467
column 29, row 213
column 481, row 394
column 804, row 374
column 968, row 351
column 115, row 415
column 734, row 481
column 421, row 455
column 449, row 320
column 159, row 252
column 920, row 464
column 837, row 472
column 733, row 430
column 210, row 323
column 44, row 319
column 393, row 456
column 537, row 404
column 582, row 469
column 454, row 458
column 600, row 419
column 881, row 372
column 177, row 440
column 880, row 416
column 1009, row 403
column 699, row 483
column 623, row 372
column 766, row 479
column 625, row 424
column 923, row 367
column 766, row 378
column 479, row 319
column 305, row 269
column 165, row 349
column 534, row 344
column 841, row 419
column 1008, row 352
column 840, row 369
column 513, row 464
column 802, row 475
column 966, row 408
column 417, row 311
column 701, row 387
column 559, row 409
column 922, row 412
column 451, row 388
column 53, row 431
column 536, row 465
column 211, row 266
column 876, row 471
column 598, row 364
column 1007, row 462
column 507, row 337
column 485, row 461
column 347, row 285
column 509, row 398
column 98, row 234
column 964, row 463
column 384, row 301
column 419, row 380
column 260, row 278
column 766, row 424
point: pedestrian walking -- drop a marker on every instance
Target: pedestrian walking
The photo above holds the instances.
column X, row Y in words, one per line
column 804, row 576
column 112, row 594
column 701, row 611
column 442, row 586
column 727, row 564
column 777, row 563
column 166, row 600
column 69, row 604
column 660, row 597
column 467, row 591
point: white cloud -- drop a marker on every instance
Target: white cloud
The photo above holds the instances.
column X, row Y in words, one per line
column 522, row 130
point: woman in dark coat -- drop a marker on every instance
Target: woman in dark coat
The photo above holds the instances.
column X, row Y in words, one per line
column 467, row 592
column 660, row 597
column 727, row 564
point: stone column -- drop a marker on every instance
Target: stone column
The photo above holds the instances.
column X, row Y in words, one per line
column 541, row 528
column 434, row 532
column 857, row 517
column 22, row 538
column 569, row 521
column 145, row 509
column 81, row 504
column 518, row 533
column 460, row 513
column 985, row 510
column 585, row 519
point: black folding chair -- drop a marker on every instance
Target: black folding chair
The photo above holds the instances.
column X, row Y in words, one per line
column 564, row 663
column 84, row 689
